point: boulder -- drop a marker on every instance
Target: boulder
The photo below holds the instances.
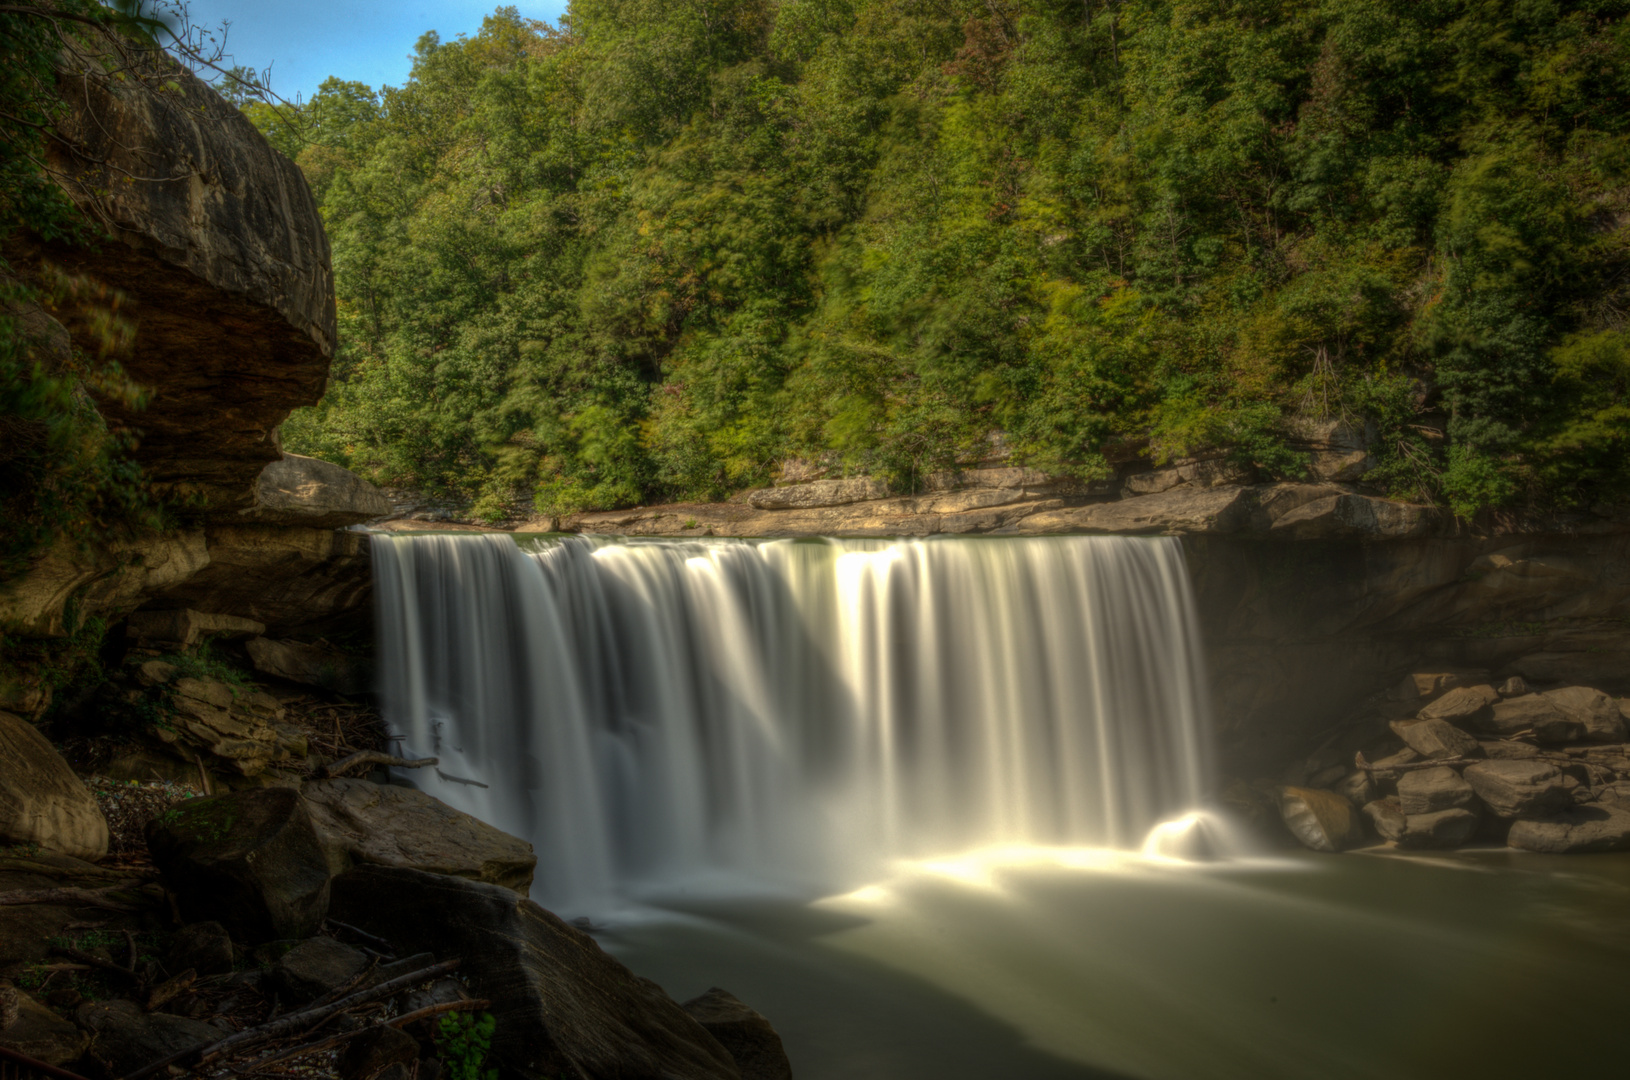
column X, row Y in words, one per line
column 296, row 490
column 1597, row 827
column 204, row 947
column 1422, row 687
column 1356, row 787
column 310, row 665
column 1388, row 819
column 818, row 493
column 183, row 628
column 1518, row 788
column 563, row 1005
column 1439, row 829
column 371, row 1054
column 389, row 825
column 126, row 1038
column 1529, row 713
column 1592, row 716
column 1428, row 791
column 41, row 800
column 40, row 1033
column 1464, row 704
column 1321, row 820
column 1513, row 687
column 251, row 860
column 316, row 966
column 1436, row 738
column 752, row 1042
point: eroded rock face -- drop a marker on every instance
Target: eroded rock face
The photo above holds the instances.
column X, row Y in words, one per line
column 818, row 493
column 563, row 1005
column 41, row 800
column 311, row 665
column 387, row 825
column 223, row 259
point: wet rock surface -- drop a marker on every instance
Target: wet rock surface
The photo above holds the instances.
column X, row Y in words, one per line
column 388, row 825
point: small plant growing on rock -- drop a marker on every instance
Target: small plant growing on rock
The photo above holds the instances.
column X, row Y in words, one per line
column 464, row 1041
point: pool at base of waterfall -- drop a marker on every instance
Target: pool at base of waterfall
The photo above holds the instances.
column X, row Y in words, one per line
column 1052, row 964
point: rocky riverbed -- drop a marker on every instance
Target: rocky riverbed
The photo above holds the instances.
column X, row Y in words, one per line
column 1449, row 759
column 311, row 921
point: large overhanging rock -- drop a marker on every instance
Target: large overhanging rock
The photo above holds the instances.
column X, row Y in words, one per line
column 220, row 251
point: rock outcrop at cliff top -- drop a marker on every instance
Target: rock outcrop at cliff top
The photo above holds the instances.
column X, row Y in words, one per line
column 221, row 253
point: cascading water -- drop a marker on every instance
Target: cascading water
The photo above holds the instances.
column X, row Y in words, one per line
column 654, row 714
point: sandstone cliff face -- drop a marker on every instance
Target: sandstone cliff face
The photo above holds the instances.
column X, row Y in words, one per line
column 218, row 245
column 215, row 240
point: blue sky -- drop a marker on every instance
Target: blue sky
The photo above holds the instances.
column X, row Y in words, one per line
column 369, row 41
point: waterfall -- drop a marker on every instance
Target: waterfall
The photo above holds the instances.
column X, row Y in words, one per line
column 660, row 715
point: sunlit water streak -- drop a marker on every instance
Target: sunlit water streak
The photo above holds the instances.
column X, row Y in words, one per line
column 657, row 716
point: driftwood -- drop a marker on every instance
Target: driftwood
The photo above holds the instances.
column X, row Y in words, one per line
column 373, row 757
column 292, row 1022
column 1363, row 764
column 36, row 1066
column 72, row 896
column 332, row 1041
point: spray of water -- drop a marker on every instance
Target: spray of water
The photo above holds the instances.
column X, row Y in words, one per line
column 793, row 714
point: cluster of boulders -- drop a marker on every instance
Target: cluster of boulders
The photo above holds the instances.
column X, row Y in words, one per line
column 1545, row 771
column 336, row 924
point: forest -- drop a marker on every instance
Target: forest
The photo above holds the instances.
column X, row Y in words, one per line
column 665, row 247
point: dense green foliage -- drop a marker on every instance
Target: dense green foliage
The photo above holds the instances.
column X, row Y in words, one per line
column 657, row 250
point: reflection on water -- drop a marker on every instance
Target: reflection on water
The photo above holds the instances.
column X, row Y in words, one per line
column 1043, row 963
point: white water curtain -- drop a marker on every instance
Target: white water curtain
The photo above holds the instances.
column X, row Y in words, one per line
column 659, row 715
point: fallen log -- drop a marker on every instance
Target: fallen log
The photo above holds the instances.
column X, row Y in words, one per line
column 73, row 896
column 373, row 757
